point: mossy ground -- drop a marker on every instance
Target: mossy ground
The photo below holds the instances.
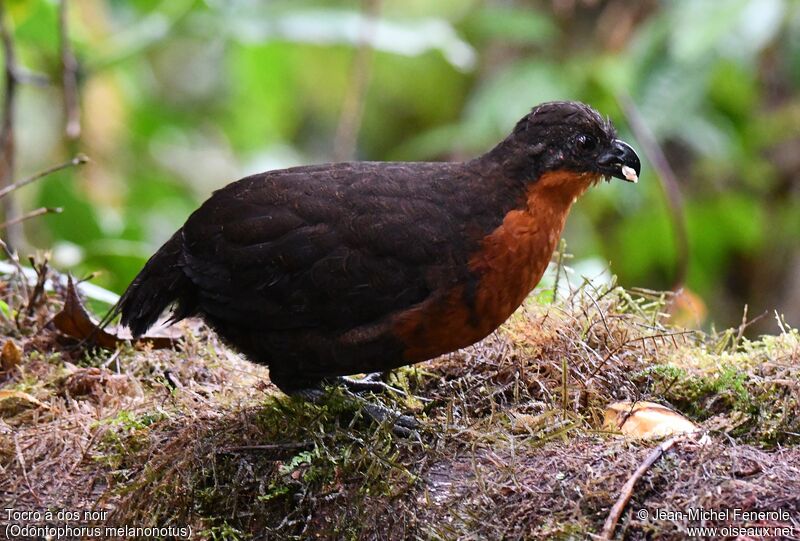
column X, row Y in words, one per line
column 511, row 445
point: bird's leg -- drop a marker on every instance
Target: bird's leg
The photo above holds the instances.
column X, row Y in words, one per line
column 374, row 382
column 402, row 425
column 315, row 395
column 377, row 376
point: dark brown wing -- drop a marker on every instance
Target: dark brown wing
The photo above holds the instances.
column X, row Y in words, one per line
column 334, row 246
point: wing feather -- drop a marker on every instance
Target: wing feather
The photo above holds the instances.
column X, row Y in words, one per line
column 333, row 247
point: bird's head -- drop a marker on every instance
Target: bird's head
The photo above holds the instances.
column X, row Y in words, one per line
column 567, row 136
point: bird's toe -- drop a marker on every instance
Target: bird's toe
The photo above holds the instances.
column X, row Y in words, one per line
column 402, row 425
column 369, row 383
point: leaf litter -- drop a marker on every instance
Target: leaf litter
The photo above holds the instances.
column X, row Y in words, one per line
column 513, row 444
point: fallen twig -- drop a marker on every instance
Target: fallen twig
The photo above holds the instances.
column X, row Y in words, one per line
column 627, row 490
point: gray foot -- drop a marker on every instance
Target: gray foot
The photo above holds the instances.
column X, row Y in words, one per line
column 402, row 425
column 372, row 383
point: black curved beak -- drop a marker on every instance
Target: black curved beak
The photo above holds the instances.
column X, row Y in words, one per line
column 620, row 161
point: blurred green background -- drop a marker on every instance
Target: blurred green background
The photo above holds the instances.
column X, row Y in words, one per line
column 181, row 97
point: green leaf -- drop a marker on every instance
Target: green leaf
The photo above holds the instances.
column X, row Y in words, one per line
column 733, row 89
column 266, row 106
column 37, row 26
column 79, row 222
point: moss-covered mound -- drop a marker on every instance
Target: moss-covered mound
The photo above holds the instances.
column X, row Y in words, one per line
column 511, row 445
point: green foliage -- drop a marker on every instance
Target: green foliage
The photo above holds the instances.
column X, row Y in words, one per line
column 731, row 385
column 223, row 532
column 129, row 421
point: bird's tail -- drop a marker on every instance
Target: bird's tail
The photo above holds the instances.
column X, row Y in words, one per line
column 160, row 283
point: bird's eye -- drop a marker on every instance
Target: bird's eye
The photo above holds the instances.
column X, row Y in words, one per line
column 585, row 142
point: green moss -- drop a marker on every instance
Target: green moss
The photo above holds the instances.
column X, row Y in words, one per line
column 223, row 532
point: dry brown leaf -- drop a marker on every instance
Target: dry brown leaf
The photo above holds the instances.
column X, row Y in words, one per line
column 646, row 420
column 10, row 356
column 74, row 321
column 12, row 402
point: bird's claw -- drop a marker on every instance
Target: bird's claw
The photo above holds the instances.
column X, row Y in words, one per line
column 402, row 425
column 369, row 383
column 374, row 383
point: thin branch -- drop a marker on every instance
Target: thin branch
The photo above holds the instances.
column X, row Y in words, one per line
column 69, row 76
column 669, row 184
column 745, row 324
column 42, row 269
column 13, row 234
column 24, row 76
column 32, row 214
column 627, row 490
column 354, row 99
column 77, row 160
